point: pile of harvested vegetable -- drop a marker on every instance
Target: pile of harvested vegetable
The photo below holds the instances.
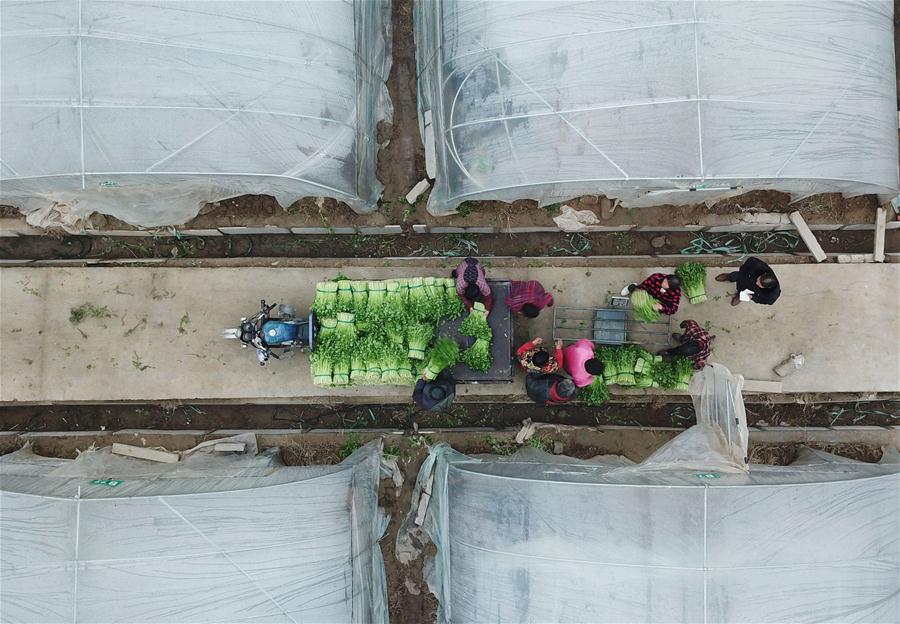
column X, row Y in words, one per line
column 478, row 356
column 383, row 332
column 644, row 306
column 634, row 366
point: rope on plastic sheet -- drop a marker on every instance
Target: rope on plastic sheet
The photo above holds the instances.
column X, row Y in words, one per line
column 741, row 243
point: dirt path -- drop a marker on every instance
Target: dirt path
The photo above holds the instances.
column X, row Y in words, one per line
column 402, row 417
column 550, row 244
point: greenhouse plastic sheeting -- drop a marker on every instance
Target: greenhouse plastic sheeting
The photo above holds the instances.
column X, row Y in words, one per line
column 219, row 538
column 146, row 110
column 542, row 538
column 646, row 101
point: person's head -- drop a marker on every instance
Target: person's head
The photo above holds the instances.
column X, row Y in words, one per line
column 540, row 358
column 565, row 388
column 530, row 310
column 674, row 281
column 473, row 293
column 688, row 348
column 436, row 392
column 593, row 367
column 767, row 280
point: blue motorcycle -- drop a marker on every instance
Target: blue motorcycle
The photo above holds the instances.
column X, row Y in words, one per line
column 285, row 332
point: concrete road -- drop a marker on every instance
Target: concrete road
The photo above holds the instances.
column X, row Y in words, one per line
column 162, row 338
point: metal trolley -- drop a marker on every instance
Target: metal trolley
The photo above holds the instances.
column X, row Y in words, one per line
column 612, row 325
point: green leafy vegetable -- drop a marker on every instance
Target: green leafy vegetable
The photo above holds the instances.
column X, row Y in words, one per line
column 376, row 332
column 444, row 353
column 608, row 356
column 453, row 304
column 325, row 302
column 321, row 366
column 478, row 356
column 395, row 309
column 693, row 281
column 674, row 374
column 357, row 369
column 341, row 374
column 596, row 393
column 476, row 325
column 418, row 336
column 375, row 302
column 360, row 299
column 644, row 306
column 344, row 296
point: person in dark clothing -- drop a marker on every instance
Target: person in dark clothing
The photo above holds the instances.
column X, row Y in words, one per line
column 757, row 277
column 436, row 395
column 550, row 389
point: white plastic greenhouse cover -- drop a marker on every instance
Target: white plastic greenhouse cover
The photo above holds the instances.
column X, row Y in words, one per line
column 210, row 539
column 542, row 538
column 645, row 100
column 146, row 110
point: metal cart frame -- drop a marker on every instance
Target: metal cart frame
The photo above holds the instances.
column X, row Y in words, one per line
column 612, row 325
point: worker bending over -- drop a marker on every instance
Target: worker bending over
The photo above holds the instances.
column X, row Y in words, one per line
column 695, row 344
column 471, row 284
column 580, row 363
column 666, row 289
column 533, row 357
column 528, row 298
column 549, row 389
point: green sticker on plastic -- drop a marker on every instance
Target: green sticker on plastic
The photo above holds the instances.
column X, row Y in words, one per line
column 107, row 482
column 707, row 475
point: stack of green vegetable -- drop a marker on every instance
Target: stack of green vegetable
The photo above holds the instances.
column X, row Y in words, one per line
column 478, row 356
column 379, row 332
column 634, row 366
column 693, row 281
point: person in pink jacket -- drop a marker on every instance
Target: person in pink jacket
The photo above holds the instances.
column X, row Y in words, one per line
column 580, row 363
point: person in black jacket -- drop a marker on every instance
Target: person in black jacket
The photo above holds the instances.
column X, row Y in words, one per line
column 757, row 277
column 550, row 388
column 436, row 395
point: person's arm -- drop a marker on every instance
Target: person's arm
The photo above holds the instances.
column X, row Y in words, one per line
column 446, row 378
column 559, row 353
column 669, row 306
column 489, row 302
column 525, row 347
column 417, row 392
column 765, row 297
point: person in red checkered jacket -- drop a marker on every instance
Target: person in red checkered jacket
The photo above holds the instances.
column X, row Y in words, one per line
column 695, row 344
column 666, row 289
column 528, row 298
